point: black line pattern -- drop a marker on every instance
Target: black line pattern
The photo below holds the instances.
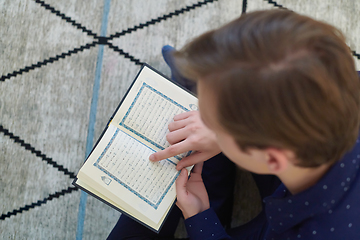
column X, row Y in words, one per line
column 161, row 18
column 275, row 4
column 98, row 40
column 38, row 203
column 125, row 54
column 38, row 153
column 64, row 17
column 244, row 7
column 354, row 53
column 49, row 60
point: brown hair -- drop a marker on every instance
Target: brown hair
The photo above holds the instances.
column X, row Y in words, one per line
column 281, row 80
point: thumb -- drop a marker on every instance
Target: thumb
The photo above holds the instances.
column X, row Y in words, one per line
column 181, row 183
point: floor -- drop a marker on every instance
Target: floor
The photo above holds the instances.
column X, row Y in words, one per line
column 65, row 65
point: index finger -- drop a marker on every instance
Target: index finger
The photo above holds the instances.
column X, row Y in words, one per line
column 171, row 151
column 183, row 115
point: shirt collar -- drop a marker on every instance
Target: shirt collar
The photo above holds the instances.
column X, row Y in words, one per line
column 284, row 210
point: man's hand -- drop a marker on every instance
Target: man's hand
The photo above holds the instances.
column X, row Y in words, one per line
column 188, row 133
column 192, row 197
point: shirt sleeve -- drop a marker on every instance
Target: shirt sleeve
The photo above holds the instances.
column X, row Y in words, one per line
column 205, row 225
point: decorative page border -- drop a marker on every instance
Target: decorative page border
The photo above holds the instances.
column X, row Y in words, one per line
column 141, row 135
column 96, row 164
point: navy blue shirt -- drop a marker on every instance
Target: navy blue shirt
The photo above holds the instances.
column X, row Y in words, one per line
column 328, row 210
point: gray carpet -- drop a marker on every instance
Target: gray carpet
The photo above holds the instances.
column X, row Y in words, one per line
column 65, row 65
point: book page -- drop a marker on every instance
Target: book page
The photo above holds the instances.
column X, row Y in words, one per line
column 119, row 204
column 120, row 165
column 126, row 161
column 150, row 106
column 150, row 114
column 119, row 170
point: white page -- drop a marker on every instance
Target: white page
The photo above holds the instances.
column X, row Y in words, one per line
column 145, row 118
column 137, row 130
column 133, row 170
column 146, row 186
column 150, row 106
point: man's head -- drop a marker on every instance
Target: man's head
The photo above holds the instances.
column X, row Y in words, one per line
column 279, row 80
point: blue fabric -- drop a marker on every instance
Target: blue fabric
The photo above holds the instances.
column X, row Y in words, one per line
column 167, row 53
column 205, row 225
column 328, row 210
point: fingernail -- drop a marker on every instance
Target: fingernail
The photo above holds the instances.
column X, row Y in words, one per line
column 151, row 158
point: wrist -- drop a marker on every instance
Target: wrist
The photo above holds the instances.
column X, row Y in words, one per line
column 193, row 213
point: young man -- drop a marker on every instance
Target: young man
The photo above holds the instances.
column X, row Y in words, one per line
column 278, row 94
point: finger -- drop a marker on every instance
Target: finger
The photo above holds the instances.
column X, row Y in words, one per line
column 183, row 115
column 177, row 136
column 198, row 168
column 171, row 151
column 178, row 124
column 193, row 159
column 180, row 183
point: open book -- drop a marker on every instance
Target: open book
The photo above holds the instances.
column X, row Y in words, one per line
column 118, row 170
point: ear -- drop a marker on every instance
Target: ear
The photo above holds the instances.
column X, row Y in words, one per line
column 277, row 160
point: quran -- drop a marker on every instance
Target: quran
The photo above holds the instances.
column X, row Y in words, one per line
column 118, row 170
